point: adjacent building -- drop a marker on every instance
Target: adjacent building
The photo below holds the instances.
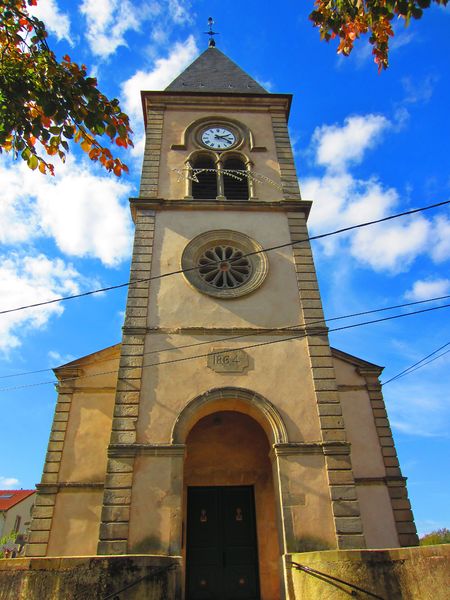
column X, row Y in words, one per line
column 15, row 511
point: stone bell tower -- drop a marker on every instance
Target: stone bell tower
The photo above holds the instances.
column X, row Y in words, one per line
column 236, row 435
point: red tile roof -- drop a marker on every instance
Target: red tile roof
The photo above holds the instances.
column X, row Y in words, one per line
column 9, row 498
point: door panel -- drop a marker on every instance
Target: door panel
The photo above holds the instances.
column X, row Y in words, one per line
column 222, row 559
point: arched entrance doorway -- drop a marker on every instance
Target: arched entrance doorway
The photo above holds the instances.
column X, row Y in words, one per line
column 231, row 538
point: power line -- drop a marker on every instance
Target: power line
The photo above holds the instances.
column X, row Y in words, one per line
column 419, row 364
column 179, row 271
column 183, row 359
column 236, row 337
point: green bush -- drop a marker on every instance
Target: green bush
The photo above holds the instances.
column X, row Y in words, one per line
column 440, row 536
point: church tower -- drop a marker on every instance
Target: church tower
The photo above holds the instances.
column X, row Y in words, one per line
column 230, row 434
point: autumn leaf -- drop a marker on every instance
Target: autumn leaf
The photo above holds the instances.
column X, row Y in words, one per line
column 45, row 104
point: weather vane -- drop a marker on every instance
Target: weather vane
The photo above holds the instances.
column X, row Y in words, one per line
column 211, row 33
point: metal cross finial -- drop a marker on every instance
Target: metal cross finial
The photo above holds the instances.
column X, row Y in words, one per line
column 211, row 33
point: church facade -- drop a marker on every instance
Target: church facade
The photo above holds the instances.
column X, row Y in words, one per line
column 223, row 429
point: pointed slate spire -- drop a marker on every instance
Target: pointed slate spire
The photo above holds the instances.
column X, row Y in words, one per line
column 212, row 71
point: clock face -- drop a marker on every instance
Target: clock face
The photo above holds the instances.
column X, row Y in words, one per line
column 218, row 138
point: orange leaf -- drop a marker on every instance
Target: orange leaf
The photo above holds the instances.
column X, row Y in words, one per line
column 94, row 154
column 86, row 145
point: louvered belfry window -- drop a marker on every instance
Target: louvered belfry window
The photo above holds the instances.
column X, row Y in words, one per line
column 205, row 188
column 235, row 182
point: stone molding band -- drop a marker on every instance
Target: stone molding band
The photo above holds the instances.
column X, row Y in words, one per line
column 131, row 450
column 328, row 448
column 307, row 330
column 292, row 206
column 380, row 480
column 52, row 489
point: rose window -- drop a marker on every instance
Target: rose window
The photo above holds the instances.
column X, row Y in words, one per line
column 224, row 267
column 224, row 264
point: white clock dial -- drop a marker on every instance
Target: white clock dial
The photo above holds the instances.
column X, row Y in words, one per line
column 218, row 138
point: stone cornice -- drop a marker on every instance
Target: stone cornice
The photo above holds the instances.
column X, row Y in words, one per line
column 219, row 101
column 158, row 204
column 130, row 450
column 297, row 332
column 295, row 448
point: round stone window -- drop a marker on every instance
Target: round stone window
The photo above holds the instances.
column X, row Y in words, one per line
column 224, row 263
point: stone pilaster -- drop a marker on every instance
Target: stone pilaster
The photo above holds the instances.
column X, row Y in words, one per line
column 289, row 181
column 43, row 510
column 119, row 475
column 396, row 483
column 152, row 156
column 345, row 506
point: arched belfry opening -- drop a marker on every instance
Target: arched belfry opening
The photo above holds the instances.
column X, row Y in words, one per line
column 235, row 180
column 230, row 511
column 204, row 179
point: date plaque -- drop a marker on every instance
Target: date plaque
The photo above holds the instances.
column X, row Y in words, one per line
column 222, row 360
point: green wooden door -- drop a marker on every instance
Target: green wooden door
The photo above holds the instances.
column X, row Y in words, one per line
column 222, row 558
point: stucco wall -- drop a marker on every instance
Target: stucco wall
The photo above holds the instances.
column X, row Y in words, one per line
column 68, row 505
column 368, row 465
column 174, row 303
column 176, row 120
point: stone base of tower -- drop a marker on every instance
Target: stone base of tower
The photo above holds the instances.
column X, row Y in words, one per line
column 414, row 573
column 133, row 577
column 420, row 573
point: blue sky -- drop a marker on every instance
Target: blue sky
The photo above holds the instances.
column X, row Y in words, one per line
column 366, row 145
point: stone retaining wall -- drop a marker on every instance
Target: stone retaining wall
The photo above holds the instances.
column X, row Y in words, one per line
column 90, row 578
column 421, row 573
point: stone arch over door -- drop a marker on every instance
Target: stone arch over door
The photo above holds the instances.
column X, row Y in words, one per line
column 228, row 435
column 231, row 399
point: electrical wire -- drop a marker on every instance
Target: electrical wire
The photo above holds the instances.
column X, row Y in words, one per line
column 419, row 364
column 179, row 271
column 261, row 344
column 242, row 335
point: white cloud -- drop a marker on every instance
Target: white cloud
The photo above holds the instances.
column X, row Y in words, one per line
column 440, row 249
column 56, row 358
column 107, row 23
column 55, row 21
column 179, row 11
column 163, row 72
column 419, row 409
column 419, row 91
column 28, row 279
column 391, row 247
column 401, row 39
column 80, row 211
column 337, row 147
column 8, row 483
column 341, row 200
column 428, row 288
